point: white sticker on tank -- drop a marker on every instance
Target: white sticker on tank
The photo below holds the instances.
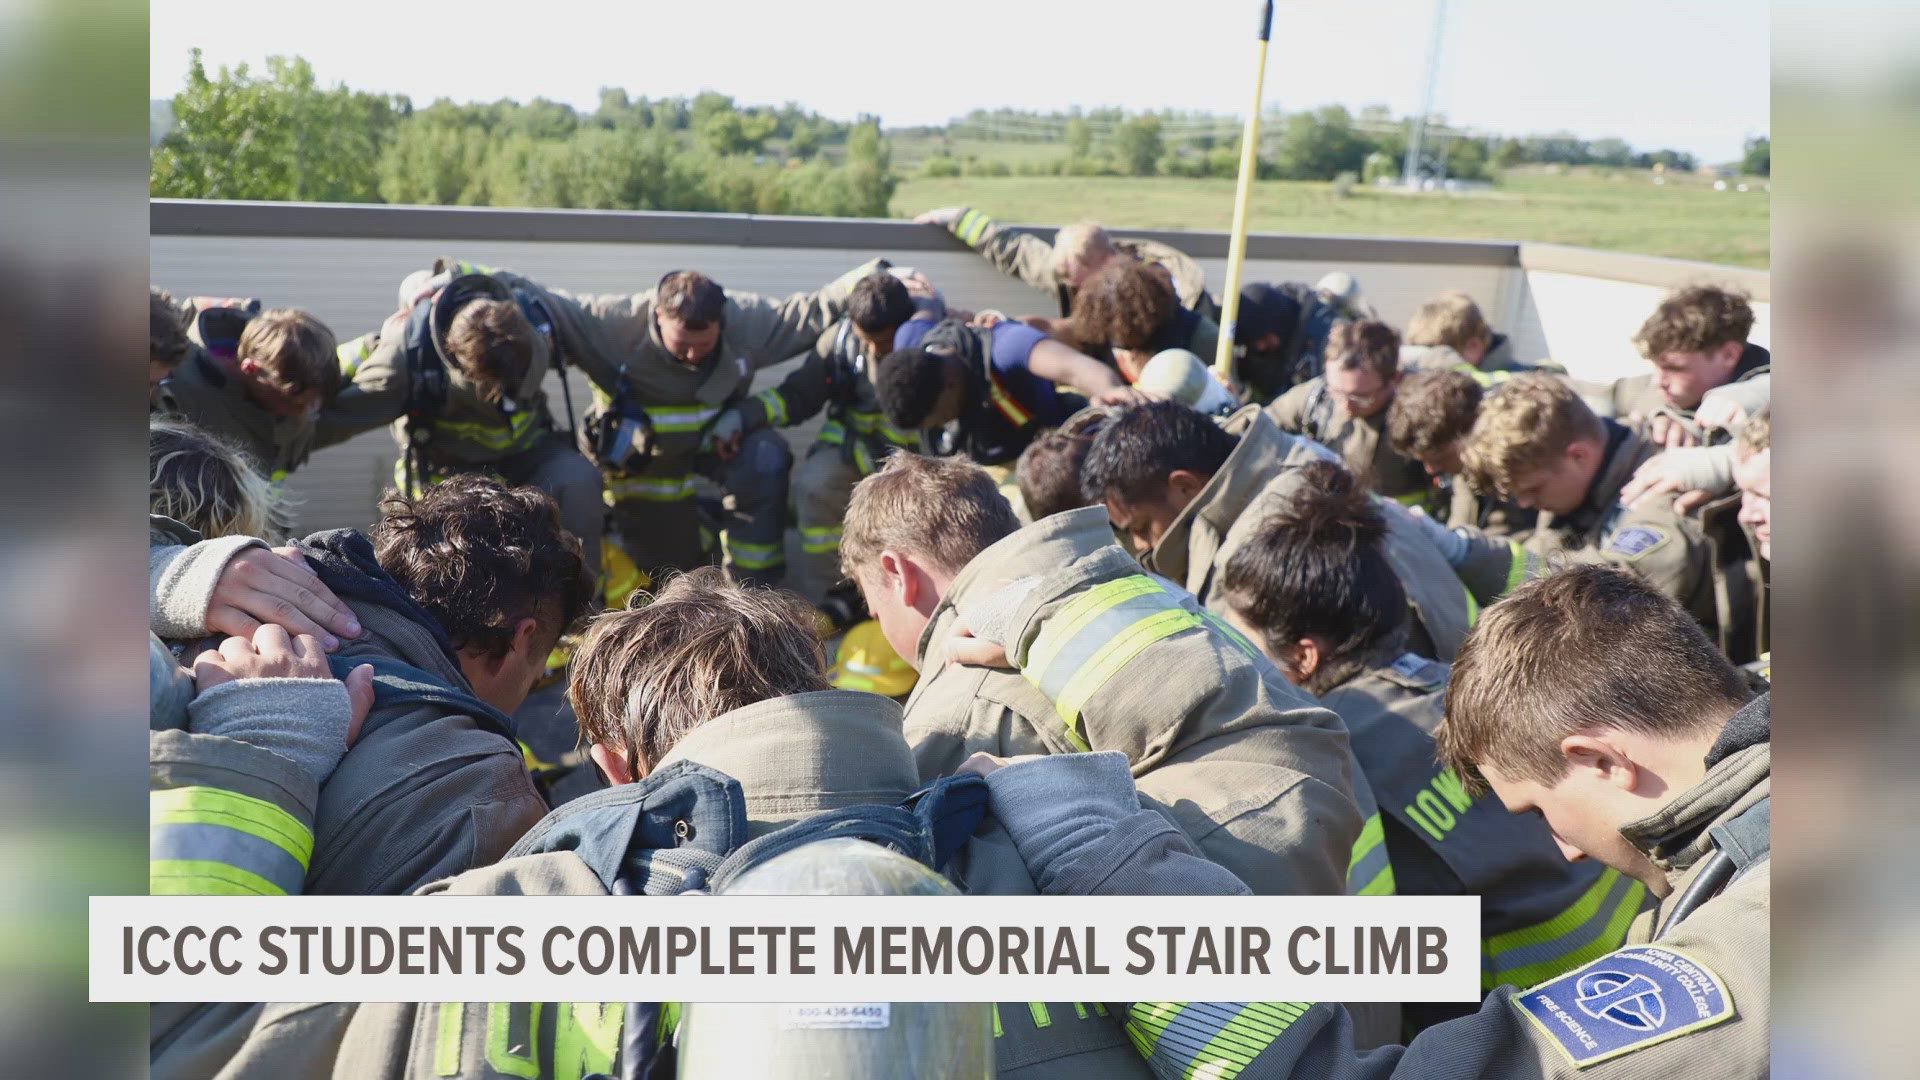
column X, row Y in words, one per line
column 870, row 1015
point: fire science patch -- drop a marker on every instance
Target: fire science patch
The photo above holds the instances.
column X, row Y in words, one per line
column 1626, row 1001
column 1636, row 541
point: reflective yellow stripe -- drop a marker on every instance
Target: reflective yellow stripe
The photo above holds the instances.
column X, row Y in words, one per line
column 1610, row 926
column 232, row 810
column 1521, row 568
column 832, row 433
column 1371, row 841
column 586, row 1038
column 1041, row 1018
column 774, row 405
column 1241, row 1038
column 516, row 434
column 649, row 489
column 353, row 353
column 752, row 556
column 1080, row 611
column 1148, row 1020
column 1086, row 681
column 447, row 1048
column 1473, row 607
column 970, row 226
column 680, row 420
column 1411, row 498
column 997, row 1031
column 821, row 539
column 513, row 1057
column 193, row 877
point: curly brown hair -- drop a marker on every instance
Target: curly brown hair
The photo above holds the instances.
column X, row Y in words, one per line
column 702, row 646
column 1124, row 304
column 1432, row 411
column 481, row 556
column 1694, row 319
column 492, row 343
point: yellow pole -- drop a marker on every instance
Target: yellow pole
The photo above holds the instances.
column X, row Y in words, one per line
column 1237, row 251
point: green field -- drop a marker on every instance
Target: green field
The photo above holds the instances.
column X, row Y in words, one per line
column 1619, row 210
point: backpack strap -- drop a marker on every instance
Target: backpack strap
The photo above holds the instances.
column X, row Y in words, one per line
column 397, row 684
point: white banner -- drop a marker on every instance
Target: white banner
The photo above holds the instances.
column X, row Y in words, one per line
column 785, row 948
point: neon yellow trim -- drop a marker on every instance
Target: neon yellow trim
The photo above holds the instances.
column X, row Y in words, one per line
column 500, row 1055
column 1611, row 938
column 446, row 1052
column 196, row 877
column 1516, row 573
column 1080, row 611
column 774, row 406
column 232, row 810
column 1244, row 1038
column 1041, row 1018
column 586, row 1039
column 1125, row 646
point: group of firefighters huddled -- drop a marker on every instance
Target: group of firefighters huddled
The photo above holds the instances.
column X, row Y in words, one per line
column 1376, row 613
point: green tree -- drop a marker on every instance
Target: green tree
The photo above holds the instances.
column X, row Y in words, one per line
column 1758, row 160
column 869, row 170
column 1079, row 138
column 1320, row 145
column 1467, row 159
column 1138, row 146
column 804, row 142
column 279, row 137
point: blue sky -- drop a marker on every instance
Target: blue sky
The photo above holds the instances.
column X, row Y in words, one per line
column 1689, row 74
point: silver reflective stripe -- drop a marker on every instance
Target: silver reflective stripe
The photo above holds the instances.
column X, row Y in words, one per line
column 198, row 842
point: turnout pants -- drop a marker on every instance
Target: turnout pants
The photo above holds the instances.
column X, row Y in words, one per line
column 657, row 520
column 822, row 489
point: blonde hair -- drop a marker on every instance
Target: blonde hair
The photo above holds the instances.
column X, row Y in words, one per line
column 1523, row 426
column 1073, row 243
column 944, row 510
column 205, row 483
column 296, row 349
column 1450, row 319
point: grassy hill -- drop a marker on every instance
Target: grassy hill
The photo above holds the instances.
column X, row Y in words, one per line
column 1615, row 210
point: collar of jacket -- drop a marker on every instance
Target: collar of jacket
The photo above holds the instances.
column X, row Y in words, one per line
column 1754, row 360
column 798, row 755
column 1677, row 835
column 392, row 623
column 643, row 833
column 1624, row 453
column 1205, row 520
column 1044, row 546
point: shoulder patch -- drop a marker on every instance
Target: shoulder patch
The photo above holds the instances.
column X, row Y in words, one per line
column 1419, row 670
column 1626, row 1001
column 1637, row 541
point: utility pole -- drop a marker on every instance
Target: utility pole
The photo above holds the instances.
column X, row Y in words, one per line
column 1411, row 175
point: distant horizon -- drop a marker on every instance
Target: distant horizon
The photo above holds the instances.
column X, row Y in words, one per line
column 1690, row 76
column 887, row 126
